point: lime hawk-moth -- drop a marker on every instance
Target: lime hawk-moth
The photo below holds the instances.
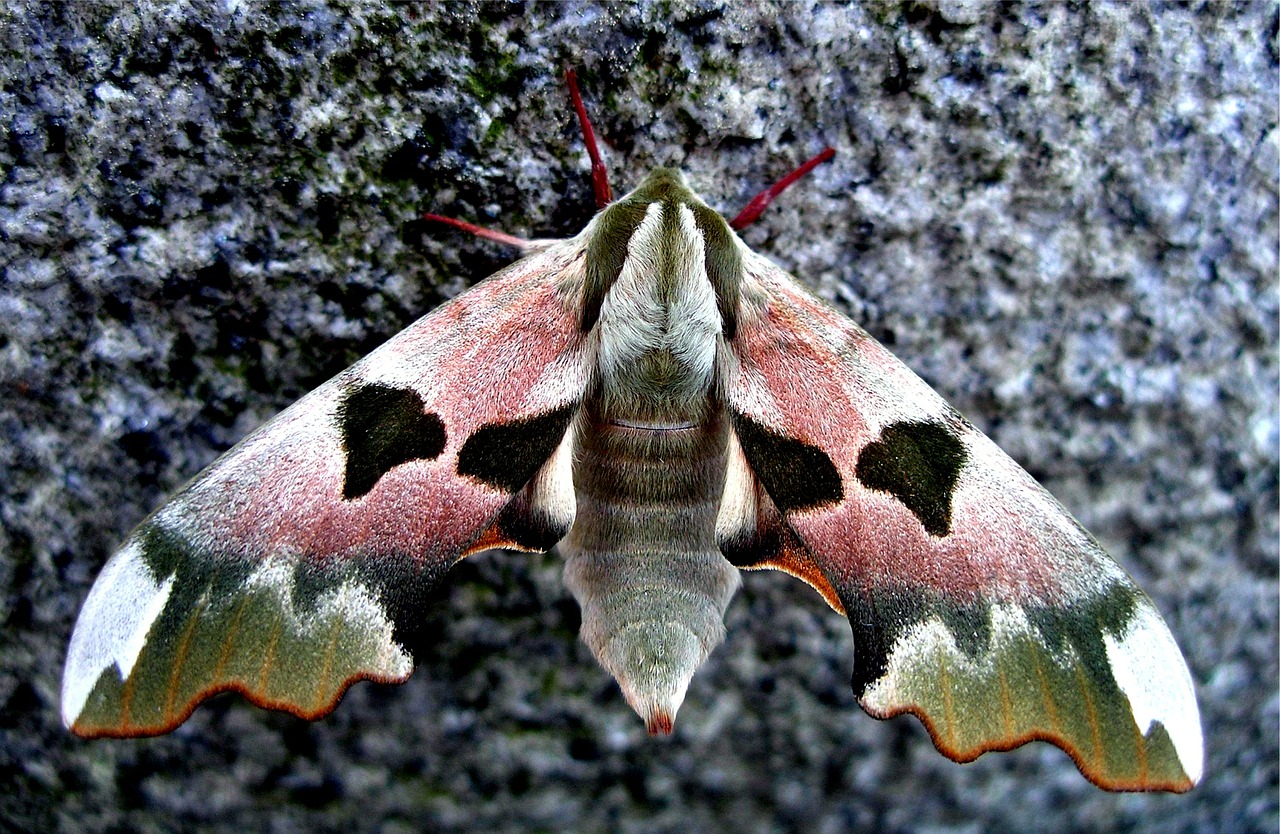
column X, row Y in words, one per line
column 667, row 407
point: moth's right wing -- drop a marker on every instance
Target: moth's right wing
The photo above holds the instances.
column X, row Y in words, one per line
column 287, row 568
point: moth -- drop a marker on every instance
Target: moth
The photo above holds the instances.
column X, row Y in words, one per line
column 667, row 407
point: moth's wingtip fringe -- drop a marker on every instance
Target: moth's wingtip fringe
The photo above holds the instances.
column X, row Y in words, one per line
column 1004, row 745
column 179, row 716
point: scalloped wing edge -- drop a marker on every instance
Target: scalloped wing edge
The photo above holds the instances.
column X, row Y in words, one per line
column 1124, row 731
column 141, row 658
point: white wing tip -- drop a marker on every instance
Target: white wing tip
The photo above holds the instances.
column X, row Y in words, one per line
column 1153, row 675
column 112, row 627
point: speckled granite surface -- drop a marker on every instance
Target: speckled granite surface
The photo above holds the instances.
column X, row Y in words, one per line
column 1065, row 219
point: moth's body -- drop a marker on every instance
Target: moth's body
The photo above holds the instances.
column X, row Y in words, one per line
column 668, row 407
column 651, row 452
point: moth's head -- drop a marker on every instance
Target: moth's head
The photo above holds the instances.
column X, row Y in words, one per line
column 662, row 184
column 663, row 222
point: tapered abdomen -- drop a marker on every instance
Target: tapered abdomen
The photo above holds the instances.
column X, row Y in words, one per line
column 642, row 557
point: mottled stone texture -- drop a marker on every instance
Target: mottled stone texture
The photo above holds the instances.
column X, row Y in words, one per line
column 1064, row 218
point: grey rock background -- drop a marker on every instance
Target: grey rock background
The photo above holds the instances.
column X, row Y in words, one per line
column 1064, row 218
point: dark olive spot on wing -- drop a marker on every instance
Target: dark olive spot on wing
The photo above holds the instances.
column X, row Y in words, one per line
column 796, row 475
column 383, row 427
column 506, row 455
column 918, row 463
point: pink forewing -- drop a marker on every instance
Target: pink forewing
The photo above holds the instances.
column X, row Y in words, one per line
column 811, row 374
column 508, row 349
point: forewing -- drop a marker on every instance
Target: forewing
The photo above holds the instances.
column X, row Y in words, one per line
column 977, row 602
column 291, row 567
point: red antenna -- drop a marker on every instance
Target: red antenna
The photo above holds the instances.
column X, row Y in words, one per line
column 762, row 200
column 599, row 175
column 478, row 231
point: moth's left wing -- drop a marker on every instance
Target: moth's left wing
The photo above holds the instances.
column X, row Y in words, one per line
column 977, row 602
column 297, row 562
